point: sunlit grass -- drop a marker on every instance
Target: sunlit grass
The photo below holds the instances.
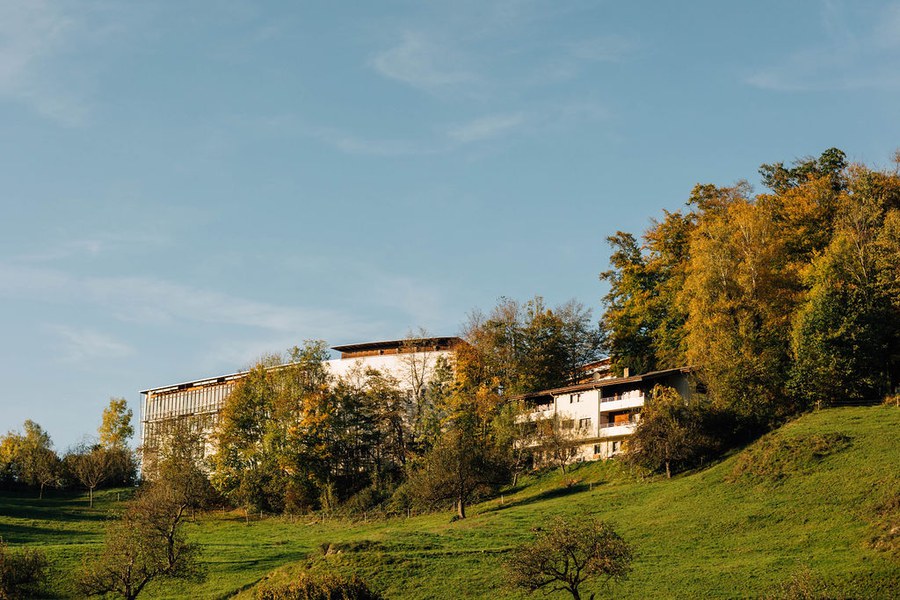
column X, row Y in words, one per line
column 698, row 535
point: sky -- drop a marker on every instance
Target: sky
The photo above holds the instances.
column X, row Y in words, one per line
column 185, row 186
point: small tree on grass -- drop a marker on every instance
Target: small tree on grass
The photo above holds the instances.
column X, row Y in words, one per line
column 91, row 466
column 154, row 545
column 147, row 543
column 567, row 555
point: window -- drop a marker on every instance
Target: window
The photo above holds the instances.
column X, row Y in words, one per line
column 615, row 446
column 574, row 398
column 567, row 424
column 596, row 449
column 584, row 423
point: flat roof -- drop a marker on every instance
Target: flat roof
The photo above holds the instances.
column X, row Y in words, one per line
column 384, row 345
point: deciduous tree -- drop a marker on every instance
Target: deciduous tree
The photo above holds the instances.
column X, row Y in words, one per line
column 568, row 555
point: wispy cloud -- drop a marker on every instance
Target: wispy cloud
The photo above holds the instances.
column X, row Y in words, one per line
column 154, row 301
column 31, row 33
column 82, row 344
column 418, row 60
column 487, row 127
column 843, row 60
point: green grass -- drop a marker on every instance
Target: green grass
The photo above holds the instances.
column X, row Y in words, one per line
column 722, row 532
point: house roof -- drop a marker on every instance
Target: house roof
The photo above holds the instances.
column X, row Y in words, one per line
column 602, row 383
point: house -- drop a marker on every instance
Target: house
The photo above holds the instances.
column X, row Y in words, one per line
column 411, row 362
column 598, row 414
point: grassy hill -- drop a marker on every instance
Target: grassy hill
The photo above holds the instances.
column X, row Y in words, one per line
column 820, row 497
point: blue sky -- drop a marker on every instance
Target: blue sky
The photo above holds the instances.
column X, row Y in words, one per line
column 187, row 185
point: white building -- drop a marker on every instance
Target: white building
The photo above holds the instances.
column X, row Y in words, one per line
column 599, row 415
column 411, row 362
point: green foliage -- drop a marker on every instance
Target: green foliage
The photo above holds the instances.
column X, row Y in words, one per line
column 23, row 573
column 525, row 347
column 694, row 536
column 672, row 435
column 115, row 429
column 462, row 464
column 29, row 459
column 774, row 458
column 783, row 300
column 317, row 587
column 567, row 555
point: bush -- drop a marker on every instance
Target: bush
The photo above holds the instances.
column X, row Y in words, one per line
column 22, row 573
column 318, row 587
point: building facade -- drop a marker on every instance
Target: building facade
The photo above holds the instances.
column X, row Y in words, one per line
column 197, row 404
column 598, row 415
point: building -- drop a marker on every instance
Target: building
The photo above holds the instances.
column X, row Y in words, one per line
column 600, row 413
column 411, row 362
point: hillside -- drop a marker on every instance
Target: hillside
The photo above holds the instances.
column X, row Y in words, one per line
column 821, row 494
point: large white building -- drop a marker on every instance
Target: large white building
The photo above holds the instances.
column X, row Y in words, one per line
column 598, row 415
column 411, row 362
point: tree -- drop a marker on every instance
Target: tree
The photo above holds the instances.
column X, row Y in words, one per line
column 146, row 544
column 670, row 434
column 91, row 465
column 557, row 440
column 847, row 332
column 115, row 429
column 739, row 297
column 462, row 463
column 525, row 347
column 643, row 321
column 569, row 554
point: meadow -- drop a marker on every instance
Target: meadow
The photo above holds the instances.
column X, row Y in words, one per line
column 819, row 498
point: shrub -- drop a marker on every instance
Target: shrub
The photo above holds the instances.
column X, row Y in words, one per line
column 22, row 573
column 318, row 587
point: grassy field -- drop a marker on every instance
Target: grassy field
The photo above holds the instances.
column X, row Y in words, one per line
column 821, row 494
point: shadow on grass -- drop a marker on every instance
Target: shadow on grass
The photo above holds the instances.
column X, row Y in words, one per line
column 30, row 534
column 550, row 494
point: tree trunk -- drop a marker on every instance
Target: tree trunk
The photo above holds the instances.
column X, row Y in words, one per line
column 668, row 472
column 41, row 494
column 91, row 496
column 461, row 508
column 575, row 594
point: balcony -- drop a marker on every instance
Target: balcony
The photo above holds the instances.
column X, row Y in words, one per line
column 617, row 429
column 624, row 401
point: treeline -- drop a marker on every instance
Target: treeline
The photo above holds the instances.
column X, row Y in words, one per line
column 784, row 300
column 295, row 438
column 29, row 461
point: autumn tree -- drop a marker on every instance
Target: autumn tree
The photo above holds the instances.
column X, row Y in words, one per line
column 846, row 335
column 464, row 462
column 739, row 299
column 672, row 434
column 524, row 347
column 565, row 556
column 29, row 459
column 147, row 543
column 115, row 429
column 643, row 321
column 91, row 465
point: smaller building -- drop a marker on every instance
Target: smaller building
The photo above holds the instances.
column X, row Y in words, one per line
column 597, row 416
